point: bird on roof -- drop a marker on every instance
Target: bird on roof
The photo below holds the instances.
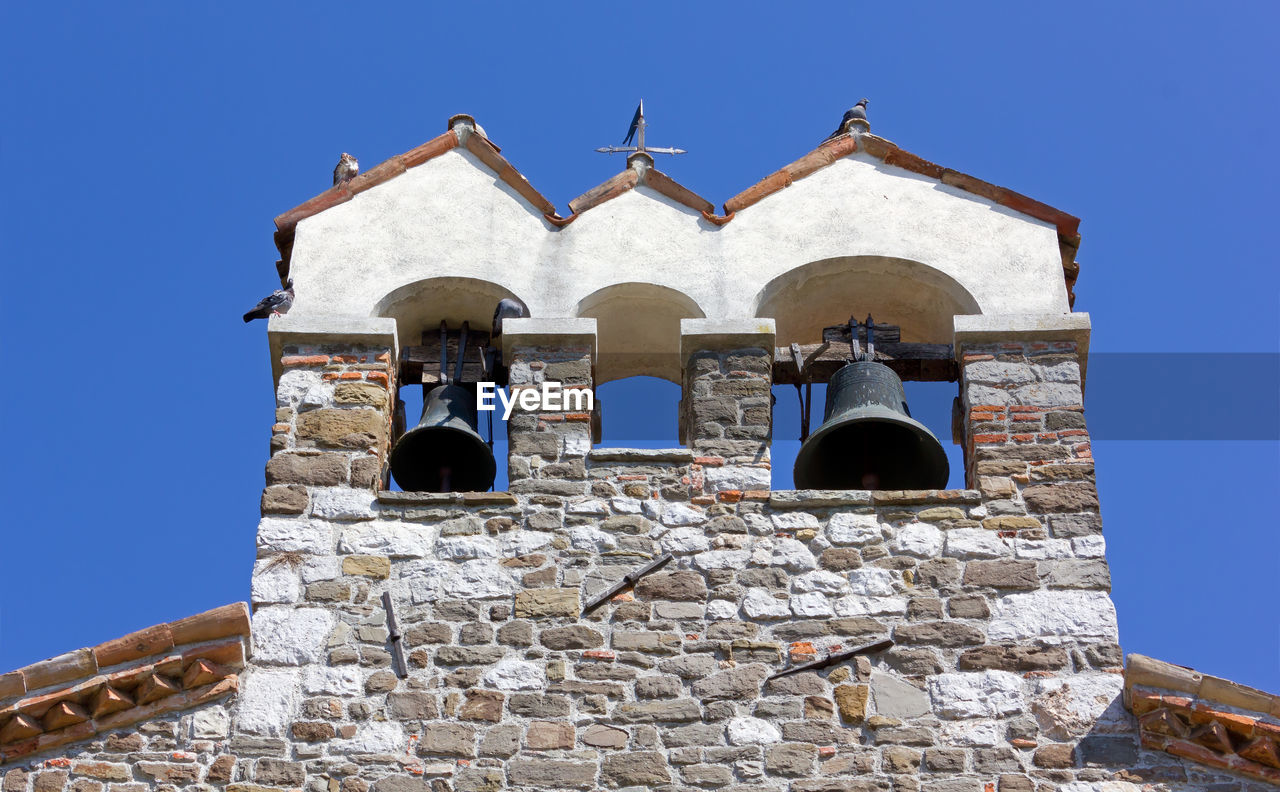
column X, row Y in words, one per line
column 347, row 169
column 274, row 304
column 508, row 308
column 858, row 111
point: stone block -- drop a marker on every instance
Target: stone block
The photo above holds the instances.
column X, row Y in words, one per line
column 637, row 768
column 332, row 428
column 547, row 603
column 364, row 394
column 552, row 773
column 284, row 499
column 501, row 741
column 1078, row 574
column 742, row 682
column 536, row 705
column 680, row 586
column 482, row 705
column 677, row 711
column 367, row 566
column 414, row 705
column 448, row 739
column 316, row 470
column 939, row 633
column 1003, row 573
column 1013, row 658
column 791, row 759
column 851, row 701
column 1058, row 498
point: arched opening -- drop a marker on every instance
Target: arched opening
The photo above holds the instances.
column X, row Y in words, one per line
column 421, row 305
column 916, row 297
column 639, row 412
column 638, row 329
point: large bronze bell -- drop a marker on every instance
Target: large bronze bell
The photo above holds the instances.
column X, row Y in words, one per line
column 444, row 452
column 868, row 439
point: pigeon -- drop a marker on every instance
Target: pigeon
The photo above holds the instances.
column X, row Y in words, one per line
column 858, row 111
column 277, row 303
column 348, row 167
column 508, row 308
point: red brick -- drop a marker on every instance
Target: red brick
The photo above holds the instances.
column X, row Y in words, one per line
column 304, row 360
column 991, row 438
column 729, row 496
column 755, row 495
column 713, row 461
column 598, row 654
column 378, row 377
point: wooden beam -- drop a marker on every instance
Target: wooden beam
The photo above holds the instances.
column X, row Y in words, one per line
column 911, row 362
column 421, row 364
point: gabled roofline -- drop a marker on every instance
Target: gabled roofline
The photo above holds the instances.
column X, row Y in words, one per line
column 463, row 131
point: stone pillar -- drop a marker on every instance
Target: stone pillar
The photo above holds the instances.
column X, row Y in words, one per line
column 726, row 414
column 335, row 391
column 548, row 448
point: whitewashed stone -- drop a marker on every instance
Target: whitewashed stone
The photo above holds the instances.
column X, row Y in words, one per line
column 985, row 694
column 1067, row 371
column 577, row 444
column 1053, row 614
column 793, row 555
column 1042, row 549
column 972, row 733
column 757, row 524
column 753, row 731
column 274, row 582
column 821, row 580
column 856, row 605
column 1047, row 394
column 512, row 674
column 466, row 548
column 211, row 723
column 320, row 395
column 853, row 529
column 373, row 737
column 332, row 680
column 896, row 698
column 625, row 505
column 722, row 559
column 518, row 543
column 983, row 394
column 811, row 604
column 597, row 507
column 682, row 514
column 1110, row 786
column 1089, row 546
column 873, row 582
column 388, row 539
column 1084, row 703
column 481, row 580
column 268, row 701
column 997, row 372
column 278, row 535
column 685, row 540
column 794, row 521
column 652, row 509
column 721, row 609
column 343, row 503
column 294, row 384
column 326, row 567
column 585, row 537
column 290, row 636
column 760, row 603
column 736, row 477
column 918, row 539
column 424, row 581
column 976, row 543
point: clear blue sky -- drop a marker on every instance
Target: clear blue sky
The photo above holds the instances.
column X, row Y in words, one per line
column 146, row 149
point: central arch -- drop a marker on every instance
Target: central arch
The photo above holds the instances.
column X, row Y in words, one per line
column 638, row 329
column 423, row 304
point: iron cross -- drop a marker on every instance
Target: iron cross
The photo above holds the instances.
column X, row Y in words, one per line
column 636, row 133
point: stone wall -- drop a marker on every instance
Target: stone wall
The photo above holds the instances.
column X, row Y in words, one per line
column 1005, row 674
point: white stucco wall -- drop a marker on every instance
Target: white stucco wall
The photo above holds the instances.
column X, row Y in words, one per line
column 451, row 217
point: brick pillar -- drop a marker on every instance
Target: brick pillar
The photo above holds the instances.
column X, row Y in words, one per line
column 334, row 405
column 726, row 413
column 1027, row 449
column 548, row 448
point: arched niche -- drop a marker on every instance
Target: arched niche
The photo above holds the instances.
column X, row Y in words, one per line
column 915, row 296
column 638, row 329
column 421, row 305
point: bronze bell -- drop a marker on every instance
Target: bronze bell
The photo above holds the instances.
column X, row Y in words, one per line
column 444, row 452
column 868, row 439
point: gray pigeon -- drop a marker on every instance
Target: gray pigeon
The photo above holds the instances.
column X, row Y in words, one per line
column 508, row 308
column 278, row 302
column 348, row 168
column 858, row 111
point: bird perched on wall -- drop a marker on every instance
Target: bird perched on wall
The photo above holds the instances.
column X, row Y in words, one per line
column 347, row 169
column 858, row 111
column 508, row 308
column 276, row 303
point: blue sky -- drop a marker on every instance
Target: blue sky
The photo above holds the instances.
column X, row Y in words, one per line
column 147, row 148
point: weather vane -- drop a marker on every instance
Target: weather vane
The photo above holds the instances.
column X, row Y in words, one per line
column 636, row 133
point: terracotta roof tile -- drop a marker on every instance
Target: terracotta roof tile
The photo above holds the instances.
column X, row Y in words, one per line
column 164, row 668
column 612, row 188
column 1220, row 723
